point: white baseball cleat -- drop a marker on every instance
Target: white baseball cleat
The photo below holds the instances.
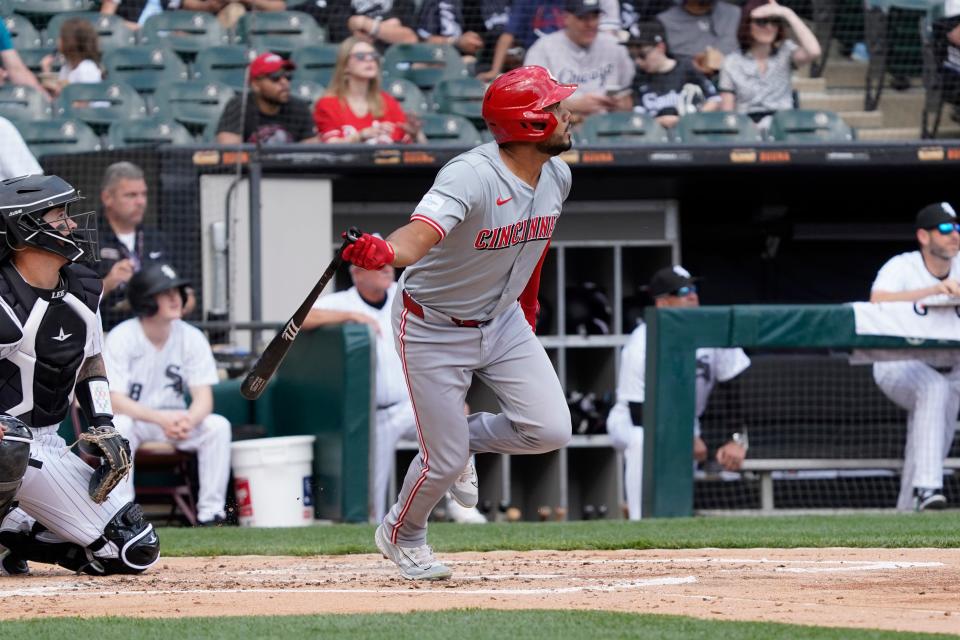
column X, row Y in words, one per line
column 466, row 490
column 416, row 563
column 464, row 515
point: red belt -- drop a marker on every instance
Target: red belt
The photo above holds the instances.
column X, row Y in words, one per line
column 416, row 309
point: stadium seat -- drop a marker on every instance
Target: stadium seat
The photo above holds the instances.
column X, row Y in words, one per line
column 621, row 128
column 32, row 57
column 460, row 97
column 423, row 64
column 186, row 32
column 717, row 127
column 58, row 136
column 23, row 33
column 227, row 64
column 112, row 31
column 23, row 103
column 144, row 68
column 805, row 125
column 449, row 130
column 314, row 63
column 5, row 8
column 282, row 32
column 49, row 7
column 151, row 131
column 194, row 103
column 309, row 92
column 409, row 96
column 100, row 104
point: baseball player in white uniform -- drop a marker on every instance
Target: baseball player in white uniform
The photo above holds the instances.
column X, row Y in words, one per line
column 369, row 301
column 669, row 287
column 931, row 396
column 467, row 305
column 153, row 361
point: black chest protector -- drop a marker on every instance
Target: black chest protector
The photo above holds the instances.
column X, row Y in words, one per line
column 37, row 379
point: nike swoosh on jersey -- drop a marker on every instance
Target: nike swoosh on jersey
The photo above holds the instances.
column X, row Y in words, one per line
column 503, row 201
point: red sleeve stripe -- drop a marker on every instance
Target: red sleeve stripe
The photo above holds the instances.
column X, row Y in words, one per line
column 432, row 223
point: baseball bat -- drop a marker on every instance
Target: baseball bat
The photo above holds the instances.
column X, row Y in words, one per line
column 269, row 361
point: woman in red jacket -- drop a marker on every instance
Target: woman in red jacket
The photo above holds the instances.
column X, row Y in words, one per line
column 355, row 109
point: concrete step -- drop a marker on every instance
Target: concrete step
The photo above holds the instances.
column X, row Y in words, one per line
column 845, row 74
column 832, row 100
column 862, row 119
column 901, row 108
column 889, row 133
column 804, row 84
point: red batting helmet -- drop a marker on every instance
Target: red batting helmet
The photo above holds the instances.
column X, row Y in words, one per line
column 517, row 99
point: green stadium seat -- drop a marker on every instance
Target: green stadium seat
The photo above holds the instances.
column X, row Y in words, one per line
column 49, row 7
column 23, row 33
column 717, row 127
column 186, row 32
column 449, row 130
column 622, row 128
column 100, row 104
column 315, row 63
column 282, row 32
column 461, row 97
column 151, row 131
column 112, row 31
column 227, row 64
column 145, row 68
column 194, row 103
column 423, row 64
column 409, row 95
column 805, row 125
column 23, row 103
column 309, row 92
column 66, row 135
column 5, row 8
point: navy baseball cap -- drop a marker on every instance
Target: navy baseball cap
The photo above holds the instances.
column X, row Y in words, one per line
column 646, row 34
column 582, row 7
column 668, row 280
column 933, row 214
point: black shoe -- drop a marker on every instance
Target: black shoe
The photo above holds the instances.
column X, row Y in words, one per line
column 929, row 499
column 216, row 521
column 11, row 565
column 900, row 83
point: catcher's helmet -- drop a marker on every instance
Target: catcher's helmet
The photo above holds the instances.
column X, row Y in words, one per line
column 515, row 102
column 23, row 203
column 152, row 279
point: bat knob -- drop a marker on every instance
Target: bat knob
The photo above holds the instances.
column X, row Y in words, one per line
column 353, row 234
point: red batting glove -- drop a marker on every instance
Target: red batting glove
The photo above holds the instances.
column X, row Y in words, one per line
column 369, row 252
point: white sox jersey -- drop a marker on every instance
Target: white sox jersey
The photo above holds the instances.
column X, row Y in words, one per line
column 492, row 226
column 907, row 272
column 158, row 378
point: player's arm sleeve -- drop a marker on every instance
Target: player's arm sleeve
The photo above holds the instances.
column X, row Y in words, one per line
column 528, row 298
column 230, row 118
column 454, row 193
column 11, row 333
column 888, row 278
column 200, row 367
column 730, row 363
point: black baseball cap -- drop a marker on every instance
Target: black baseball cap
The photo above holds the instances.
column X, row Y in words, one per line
column 933, row 214
column 582, row 7
column 668, row 280
column 646, row 34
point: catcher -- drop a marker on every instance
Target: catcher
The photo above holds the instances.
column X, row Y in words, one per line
column 50, row 343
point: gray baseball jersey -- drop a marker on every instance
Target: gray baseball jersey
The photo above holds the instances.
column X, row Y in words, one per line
column 488, row 220
column 602, row 66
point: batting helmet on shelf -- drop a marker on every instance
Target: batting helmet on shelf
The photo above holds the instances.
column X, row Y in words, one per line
column 148, row 282
column 514, row 104
column 588, row 310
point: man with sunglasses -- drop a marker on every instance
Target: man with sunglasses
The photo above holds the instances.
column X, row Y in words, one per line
column 930, row 395
column 669, row 287
column 271, row 115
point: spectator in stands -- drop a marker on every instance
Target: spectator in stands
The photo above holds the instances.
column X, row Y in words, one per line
column 15, row 71
column 355, row 109
column 703, row 30
column 758, row 79
column 126, row 243
column 634, row 13
column 380, row 22
column 369, row 302
column 580, row 54
column 931, row 395
column 529, row 19
column 947, row 31
column 271, row 115
column 136, row 12
column 16, row 159
column 442, row 22
column 79, row 49
column 665, row 87
column 669, row 287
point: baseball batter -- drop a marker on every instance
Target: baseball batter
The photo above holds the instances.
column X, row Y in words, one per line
column 153, row 361
column 50, row 353
column 467, row 304
column 930, row 396
column 670, row 287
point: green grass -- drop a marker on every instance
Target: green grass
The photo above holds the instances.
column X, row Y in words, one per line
column 867, row 530
column 437, row 625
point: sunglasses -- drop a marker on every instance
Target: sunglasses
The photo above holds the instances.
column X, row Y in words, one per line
column 684, row 291
column 947, row 228
column 366, row 56
column 764, row 22
column 278, row 76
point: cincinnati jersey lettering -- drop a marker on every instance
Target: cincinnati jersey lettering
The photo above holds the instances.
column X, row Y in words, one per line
column 538, row 228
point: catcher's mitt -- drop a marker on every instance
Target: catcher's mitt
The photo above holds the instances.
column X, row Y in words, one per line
column 114, row 453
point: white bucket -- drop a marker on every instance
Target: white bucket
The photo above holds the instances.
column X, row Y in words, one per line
column 273, row 478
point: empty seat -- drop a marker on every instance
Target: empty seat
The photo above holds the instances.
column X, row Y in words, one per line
column 112, row 31
column 409, row 95
column 194, row 104
column 227, row 64
column 622, row 128
column 309, row 92
column 315, row 63
column 450, row 130
column 717, row 127
column 460, row 97
column 144, row 68
column 279, row 31
column 23, row 103
column 100, row 104
column 186, row 32
column 423, row 64
column 151, row 131
column 58, row 136
column 806, row 125
column 49, row 7
column 24, row 34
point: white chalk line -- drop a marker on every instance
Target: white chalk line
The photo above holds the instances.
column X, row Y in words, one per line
column 885, row 607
